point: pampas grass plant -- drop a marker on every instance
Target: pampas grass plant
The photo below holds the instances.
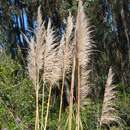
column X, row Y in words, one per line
column 71, row 57
column 35, row 60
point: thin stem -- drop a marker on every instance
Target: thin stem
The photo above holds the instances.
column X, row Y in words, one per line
column 78, row 73
column 61, row 99
column 48, row 105
column 37, row 104
column 62, row 88
column 71, row 95
column 37, row 112
column 78, row 111
column 42, row 126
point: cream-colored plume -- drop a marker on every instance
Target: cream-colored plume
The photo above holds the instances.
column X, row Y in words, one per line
column 84, row 51
column 35, row 60
column 69, row 45
column 32, row 61
column 61, row 56
column 109, row 113
column 52, row 70
column 36, row 49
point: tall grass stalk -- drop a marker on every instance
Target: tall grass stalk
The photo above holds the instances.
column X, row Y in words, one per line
column 78, row 104
column 67, row 47
column 35, row 60
column 62, row 46
column 48, row 106
column 71, row 94
column 42, row 114
column 78, row 73
column 85, row 53
column 37, row 103
column 61, row 99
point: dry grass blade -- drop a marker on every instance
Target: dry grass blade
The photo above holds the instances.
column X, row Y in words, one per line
column 109, row 113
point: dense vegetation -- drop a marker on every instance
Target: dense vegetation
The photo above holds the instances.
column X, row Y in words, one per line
column 23, row 94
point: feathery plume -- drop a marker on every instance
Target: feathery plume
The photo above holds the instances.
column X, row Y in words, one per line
column 31, row 61
column 109, row 113
column 56, row 58
column 69, row 45
column 52, row 69
column 84, row 52
column 36, row 49
column 35, row 59
column 50, row 66
column 65, row 57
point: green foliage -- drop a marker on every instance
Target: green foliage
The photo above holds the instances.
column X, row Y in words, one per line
column 16, row 95
column 124, row 105
column 89, row 116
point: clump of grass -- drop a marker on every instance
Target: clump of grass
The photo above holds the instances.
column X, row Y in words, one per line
column 71, row 58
